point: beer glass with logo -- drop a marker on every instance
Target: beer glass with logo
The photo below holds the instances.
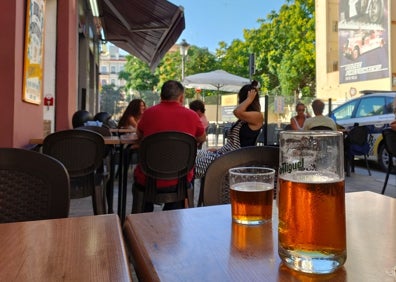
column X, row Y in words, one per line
column 252, row 193
column 311, row 201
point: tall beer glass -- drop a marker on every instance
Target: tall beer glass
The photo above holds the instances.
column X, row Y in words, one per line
column 311, row 201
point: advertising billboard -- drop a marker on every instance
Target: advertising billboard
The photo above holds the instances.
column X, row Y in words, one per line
column 363, row 40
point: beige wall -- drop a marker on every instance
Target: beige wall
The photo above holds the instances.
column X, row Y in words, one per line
column 327, row 78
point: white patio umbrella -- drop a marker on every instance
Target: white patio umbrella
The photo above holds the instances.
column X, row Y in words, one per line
column 219, row 80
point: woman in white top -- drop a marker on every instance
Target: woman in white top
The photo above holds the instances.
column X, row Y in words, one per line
column 297, row 122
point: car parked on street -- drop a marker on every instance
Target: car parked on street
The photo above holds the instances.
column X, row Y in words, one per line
column 373, row 109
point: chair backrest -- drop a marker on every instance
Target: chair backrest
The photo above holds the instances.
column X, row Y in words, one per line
column 165, row 156
column 81, row 151
column 216, row 186
column 321, row 127
column 104, row 131
column 389, row 136
column 358, row 135
column 33, row 186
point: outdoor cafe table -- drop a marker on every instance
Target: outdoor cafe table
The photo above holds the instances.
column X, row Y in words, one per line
column 89, row 248
column 199, row 244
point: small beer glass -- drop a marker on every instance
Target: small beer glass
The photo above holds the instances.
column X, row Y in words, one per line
column 252, row 193
column 311, row 201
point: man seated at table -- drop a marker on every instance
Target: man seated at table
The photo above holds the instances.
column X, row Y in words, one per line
column 319, row 119
column 169, row 115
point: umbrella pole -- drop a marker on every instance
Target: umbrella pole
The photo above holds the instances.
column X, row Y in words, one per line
column 217, row 117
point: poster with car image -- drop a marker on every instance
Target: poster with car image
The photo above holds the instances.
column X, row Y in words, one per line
column 363, row 38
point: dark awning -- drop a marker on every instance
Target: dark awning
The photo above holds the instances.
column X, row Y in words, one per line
column 146, row 29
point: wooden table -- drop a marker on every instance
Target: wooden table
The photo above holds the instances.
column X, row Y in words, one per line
column 201, row 244
column 122, row 130
column 87, row 248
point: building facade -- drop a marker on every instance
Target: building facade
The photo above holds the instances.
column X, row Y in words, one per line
column 50, row 56
column 69, row 72
column 112, row 62
column 353, row 47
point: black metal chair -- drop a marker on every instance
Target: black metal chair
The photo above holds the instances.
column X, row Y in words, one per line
column 216, row 187
column 356, row 144
column 389, row 137
column 82, row 153
column 165, row 156
column 106, row 170
column 33, row 186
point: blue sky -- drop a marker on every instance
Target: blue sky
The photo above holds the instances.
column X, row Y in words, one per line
column 210, row 21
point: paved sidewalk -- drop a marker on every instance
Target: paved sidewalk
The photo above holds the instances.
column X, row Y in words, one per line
column 361, row 181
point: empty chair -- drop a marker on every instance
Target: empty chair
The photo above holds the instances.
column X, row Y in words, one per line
column 33, row 186
column 390, row 145
column 165, row 156
column 216, row 186
column 356, row 144
column 82, row 153
column 106, row 169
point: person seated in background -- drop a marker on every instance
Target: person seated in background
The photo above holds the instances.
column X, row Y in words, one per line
column 319, row 119
column 169, row 115
column 105, row 119
column 297, row 122
column 199, row 107
column 80, row 118
column 242, row 133
column 132, row 114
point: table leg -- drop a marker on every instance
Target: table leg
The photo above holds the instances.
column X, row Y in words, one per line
column 124, row 189
column 120, row 180
column 110, row 183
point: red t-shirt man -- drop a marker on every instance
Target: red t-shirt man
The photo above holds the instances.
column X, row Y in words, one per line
column 169, row 115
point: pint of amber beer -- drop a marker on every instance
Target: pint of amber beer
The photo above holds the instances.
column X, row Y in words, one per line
column 252, row 194
column 311, row 201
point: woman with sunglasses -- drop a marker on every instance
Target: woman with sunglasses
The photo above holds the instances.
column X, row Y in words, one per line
column 297, row 122
column 242, row 133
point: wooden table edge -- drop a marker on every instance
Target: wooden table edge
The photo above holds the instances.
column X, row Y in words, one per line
column 143, row 266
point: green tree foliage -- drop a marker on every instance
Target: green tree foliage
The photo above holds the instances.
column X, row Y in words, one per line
column 235, row 57
column 110, row 96
column 197, row 60
column 284, row 48
column 138, row 75
column 292, row 58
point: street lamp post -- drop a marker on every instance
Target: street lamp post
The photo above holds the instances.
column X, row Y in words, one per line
column 183, row 52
